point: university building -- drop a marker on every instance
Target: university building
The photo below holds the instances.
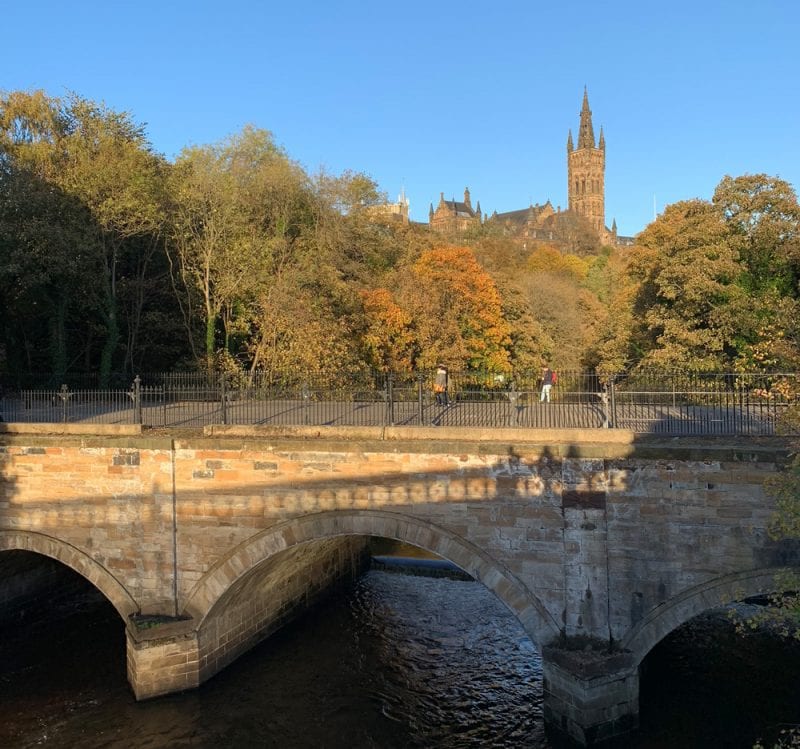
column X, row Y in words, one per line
column 586, row 166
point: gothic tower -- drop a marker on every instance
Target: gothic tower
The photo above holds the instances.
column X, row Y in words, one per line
column 586, row 167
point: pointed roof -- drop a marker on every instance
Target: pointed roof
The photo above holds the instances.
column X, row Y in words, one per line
column 602, row 144
column 586, row 133
column 570, row 145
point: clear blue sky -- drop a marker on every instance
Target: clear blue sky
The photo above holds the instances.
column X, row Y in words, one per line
column 438, row 96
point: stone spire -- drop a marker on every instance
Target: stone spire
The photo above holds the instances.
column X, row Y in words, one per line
column 570, row 146
column 586, row 134
column 586, row 166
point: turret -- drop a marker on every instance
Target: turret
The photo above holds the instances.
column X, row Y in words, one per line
column 602, row 144
column 467, row 198
column 570, row 147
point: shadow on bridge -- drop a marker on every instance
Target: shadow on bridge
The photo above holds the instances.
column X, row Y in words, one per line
column 573, row 545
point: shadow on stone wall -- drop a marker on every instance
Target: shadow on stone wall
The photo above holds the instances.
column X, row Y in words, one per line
column 477, row 485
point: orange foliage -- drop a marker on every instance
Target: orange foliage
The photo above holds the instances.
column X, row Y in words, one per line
column 457, row 310
column 388, row 339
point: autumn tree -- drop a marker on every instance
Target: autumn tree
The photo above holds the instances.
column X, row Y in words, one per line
column 457, row 311
column 388, row 336
column 296, row 333
column 548, row 259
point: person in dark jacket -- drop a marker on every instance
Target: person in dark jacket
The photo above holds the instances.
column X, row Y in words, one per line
column 548, row 378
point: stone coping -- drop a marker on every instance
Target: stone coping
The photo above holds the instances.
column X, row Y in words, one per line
column 114, row 430
column 450, row 434
column 589, row 663
column 555, row 443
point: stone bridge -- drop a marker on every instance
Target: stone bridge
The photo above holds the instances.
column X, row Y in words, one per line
column 601, row 543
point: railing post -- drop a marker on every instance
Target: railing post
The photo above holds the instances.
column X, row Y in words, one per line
column 420, row 401
column 306, row 402
column 137, row 400
column 64, row 395
column 613, row 395
column 389, row 399
column 223, row 397
column 604, row 404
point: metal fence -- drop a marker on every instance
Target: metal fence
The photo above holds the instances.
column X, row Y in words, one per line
column 668, row 403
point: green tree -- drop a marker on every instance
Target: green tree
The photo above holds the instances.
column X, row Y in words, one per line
column 237, row 210
column 46, row 256
column 100, row 161
column 763, row 219
column 689, row 309
column 111, row 169
column 715, row 284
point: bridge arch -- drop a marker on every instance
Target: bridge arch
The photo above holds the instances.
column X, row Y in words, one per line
column 662, row 620
column 531, row 613
column 77, row 561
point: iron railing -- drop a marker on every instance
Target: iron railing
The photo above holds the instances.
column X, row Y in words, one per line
column 668, row 403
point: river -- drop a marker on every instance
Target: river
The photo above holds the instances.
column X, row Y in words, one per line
column 396, row 661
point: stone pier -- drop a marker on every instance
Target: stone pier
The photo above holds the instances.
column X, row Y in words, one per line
column 590, row 696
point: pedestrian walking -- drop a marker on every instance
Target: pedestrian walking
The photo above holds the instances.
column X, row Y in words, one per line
column 440, row 385
column 548, row 380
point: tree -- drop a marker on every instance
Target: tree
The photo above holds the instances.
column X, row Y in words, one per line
column 295, row 332
column 388, row 337
column 689, row 307
column 531, row 345
column 236, row 215
column 546, row 259
column 564, row 310
column 112, row 170
column 717, row 282
column 457, row 311
column 46, row 257
column 101, row 161
column 763, row 218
